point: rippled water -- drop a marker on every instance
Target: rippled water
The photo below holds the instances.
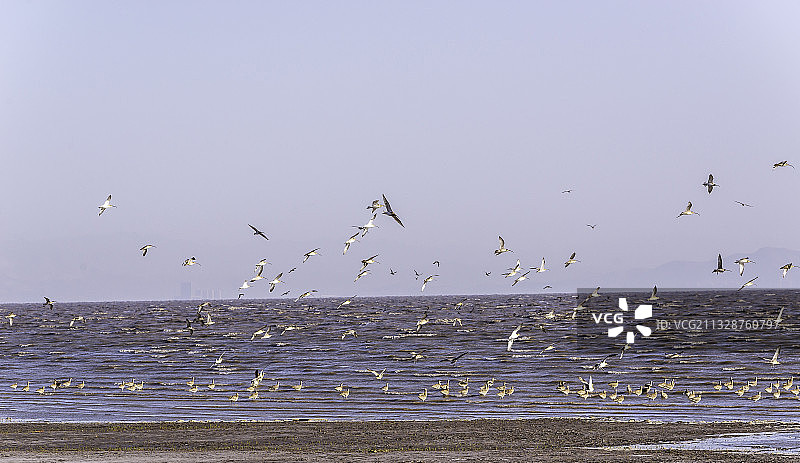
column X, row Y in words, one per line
column 148, row 343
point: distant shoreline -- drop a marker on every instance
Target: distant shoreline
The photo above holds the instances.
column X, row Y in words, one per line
column 544, row 439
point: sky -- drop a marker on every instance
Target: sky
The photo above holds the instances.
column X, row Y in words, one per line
column 471, row 117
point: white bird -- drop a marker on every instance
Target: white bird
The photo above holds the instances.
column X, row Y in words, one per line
column 367, row 261
column 653, row 296
column 741, row 262
column 777, row 320
column 376, row 204
column 145, row 248
column 190, row 261
column 258, row 275
column 244, row 285
column 522, row 277
column 264, row 330
column 688, row 210
column 513, row 270
column 305, row 294
column 502, row 247
column 367, row 226
column 426, row 281
column 541, row 268
column 48, row 302
column 361, row 274
column 260, row 264
column 79, row 318
column 779, row 164
column 275, row 281
column 346, row 302
column 749, row 283
column 786, row 268
column 571, row 260
column 310, row 253
column 106, row 205
column 10, row 318
column 710, row 183
column 774, row 360
column 422, row 321
column 512, row 337
column 349, row 241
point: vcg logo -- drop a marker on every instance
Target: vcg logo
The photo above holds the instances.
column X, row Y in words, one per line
column 644, row 311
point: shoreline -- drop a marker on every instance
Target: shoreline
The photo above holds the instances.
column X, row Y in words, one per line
column 540, row 439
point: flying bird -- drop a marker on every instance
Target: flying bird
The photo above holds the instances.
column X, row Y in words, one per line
column 743, row 204
column 688, row 210
column 502, row 247
column 427, row 280
column 258, row 232
column 190, row 261
column 571, row 260
column 48, row 302
column 719, row 268
column 749, row 283
column 366, row 227
column 376, row 204
column 653, row 295
column 349, row 241
column 522, row 277
column 275, row 281
column 786, row 268
column 591, row 226
column 390, row 212
column 145, row 248
column 512, row 337
column 310, row 253
column 780, row 164
column 367, row 261
column 105, row 205
column 710, row 183
column 541, row 268
column 361, row 274
column 741, row 262
column 774, row 359
column 305, row 294
column 436, row 263
column 391, row 272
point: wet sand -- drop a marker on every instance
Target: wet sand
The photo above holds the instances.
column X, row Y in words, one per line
column 546, row 440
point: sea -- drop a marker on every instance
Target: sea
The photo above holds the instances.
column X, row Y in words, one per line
column 378, row 357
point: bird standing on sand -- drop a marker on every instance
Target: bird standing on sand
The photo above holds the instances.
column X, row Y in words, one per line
column 105, row 205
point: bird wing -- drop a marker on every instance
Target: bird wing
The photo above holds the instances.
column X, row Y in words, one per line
column 388, row 206
column 719, row 260
column 502, row 243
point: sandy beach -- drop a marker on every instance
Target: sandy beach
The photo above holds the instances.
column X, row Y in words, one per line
column 382, row 441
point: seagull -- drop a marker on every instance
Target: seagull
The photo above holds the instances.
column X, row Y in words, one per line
column 777, row 320
column 541, row 268
column 453, row 360
column 258, row 275
column 774, row 360
column 786, row 268
column 275, row 281
column 512, row 337
column 258, row 232
column 743, row 204
column 524, row 276
column 513, row 270
column 741, row 262
column 105, row 205
column 591, row 226
column 11, row 316
column 286, row 292
column 346, row 302
column 566, row 191
column 264, row 330
column 416, row 275
column 391, row 272
column 502, row 247
column 310, row 253
column 190, row 261
column 688, row 210
column 305, row 294
column 390, row 212
column 710, row 183
column 780, row 164
column 48, row 302
column 653, row 296
column 349, row 241
column 603, row 363
column 79, row 318
column 436, row 263
column 749, row 283
column 366, row 227
column 361, row 274
column 426, row 281
column 571, row 260
column 487, row 273
column 244, row 285
column 595, row 293
column 719, row 268
column 261, row 264
column 145, row 248
column 376, row 204
column 367, row 261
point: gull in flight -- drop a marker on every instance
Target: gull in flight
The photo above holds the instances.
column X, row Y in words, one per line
column 786, row 268
column 258, row 275
column 571, row 260
column 305, row 294
column 310, row 253
column 391, row 271
column 145, row 248
column 367, row 261
column 275, row 281
column 774, row 360
column 361, row 274
column 653, row 296
column 524, row 276
column 105, row 205
column 688, row 210
column 416, row 275
column 366, row 227
column 591, row 226
column 741, row 262
column 743, row 204
column 244, row 285
column 710, row 183
column 376, row 204
column 541, row 268
column 502, row 247
column 261, row 264
column 603, row 363
column 426, row 281
column 749, row 283
column 346, row 302
column 11, row 316
column 264, row 331
column 48, row 302
column 513, row 271
column 719, row 268
column 422, row 321
column 349, row 241
column 512, row 337
column 190, row 261
column 780, row 164
column 390, row 212
column 566, row 191
column 258, row 232
column 777, row 320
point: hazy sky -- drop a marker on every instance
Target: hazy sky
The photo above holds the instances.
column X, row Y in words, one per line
column 472, row 117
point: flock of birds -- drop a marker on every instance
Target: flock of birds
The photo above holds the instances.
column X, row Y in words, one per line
column 516, row 273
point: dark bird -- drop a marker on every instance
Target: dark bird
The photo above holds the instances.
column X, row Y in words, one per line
column 719, row 268
column 258, row 232
column 146, row 248
column 591, row 226
column 743, row 204
column 710, row 183
column 416, row 275
column 780, row 164
column 391, row 272
column 436, row 263
column 502, row 247
column 390, row 212
column 453, row 360
column 487, row 273
column 47, row 302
